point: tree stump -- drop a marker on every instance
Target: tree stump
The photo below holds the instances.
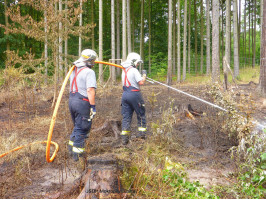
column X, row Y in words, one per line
column 102, row 180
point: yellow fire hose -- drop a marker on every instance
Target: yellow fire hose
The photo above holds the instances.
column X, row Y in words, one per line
column 49, row 138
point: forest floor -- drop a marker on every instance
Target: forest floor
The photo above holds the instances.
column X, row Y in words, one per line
column 25, row 117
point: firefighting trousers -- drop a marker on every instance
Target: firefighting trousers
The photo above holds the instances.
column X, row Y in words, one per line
column 132, row 101
column 79, row 107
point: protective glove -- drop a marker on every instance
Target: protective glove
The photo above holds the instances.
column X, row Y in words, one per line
column 144, row 73
column 92, row 111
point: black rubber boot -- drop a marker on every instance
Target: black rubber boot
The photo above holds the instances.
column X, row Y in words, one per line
column 76, row 156
column 125, row 139
column 70, row 152
column 141, row 135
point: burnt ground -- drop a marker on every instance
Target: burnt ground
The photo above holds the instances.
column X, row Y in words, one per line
column 25, row 117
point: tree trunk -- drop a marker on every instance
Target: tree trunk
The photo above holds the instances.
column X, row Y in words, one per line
column 169, row 70
column 189, row 31
column 113, row 39
column 118, row 56
column 196, row 36
column 239, row 27
column 124, row 33
column 262, row 84
column 6, row 23
column 133, row 28
column 45, row 43
column 215, row 42
column 228, row 31
column 222, row 33
column 249, row 24
column 92, row 22
column 142, row 33
column 236, row 51
column 101, row 40
column 254, row 34
column 102, row 179
column 208, row 36
column 201, row 36
column 185, row 43
column 150, row 3
column 66, row 42
column 128, row 27
column 60, row 41
column 174, row 36
column 178, row 43
column 80, row 25
column 245, row 33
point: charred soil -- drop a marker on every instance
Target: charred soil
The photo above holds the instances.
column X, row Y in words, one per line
column 202, row 147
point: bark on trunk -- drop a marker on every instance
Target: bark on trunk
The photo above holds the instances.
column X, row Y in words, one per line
column 215, row 42
column 169, row 70
column 236, row 50
column 185, row 43
column 102, row 179
column 100, row 40
column 263, row 54
column 208, row 50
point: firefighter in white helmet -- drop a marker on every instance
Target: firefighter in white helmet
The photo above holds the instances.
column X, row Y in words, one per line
column 132, row 99
column 82, row 101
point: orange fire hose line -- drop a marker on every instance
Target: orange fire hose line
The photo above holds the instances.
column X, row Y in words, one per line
column 32, row 143
column 49, row 138
column 107, row 63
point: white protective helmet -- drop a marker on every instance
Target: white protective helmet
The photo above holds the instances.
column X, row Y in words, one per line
column 88, row 57
column 134, row 58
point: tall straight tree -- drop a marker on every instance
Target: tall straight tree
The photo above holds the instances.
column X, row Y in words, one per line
column 92, row 22
column 118, row 32
column 196, row 35
column 80, row 25
column 254, row 35
column 249, row 28
column 185, row 43
column 45, row 42
column 169, row 70
column 262, row 83
column 113, row 74
column 128, row 27
column 178, row 43
column 6, row 23
column 208, row 38
column 215, row 41
column 236, row 50
column 60, row 41
column 142, row 32
column 124, row 31
column 66, row 41
column 133, row 28
column 245, row 32
column 201, row 36
column 174, row 36
column 228, row 31
column 150, row 3
column 101, row 40
column 189, row 31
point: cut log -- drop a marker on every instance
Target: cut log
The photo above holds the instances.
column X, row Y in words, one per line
column 103, row 179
